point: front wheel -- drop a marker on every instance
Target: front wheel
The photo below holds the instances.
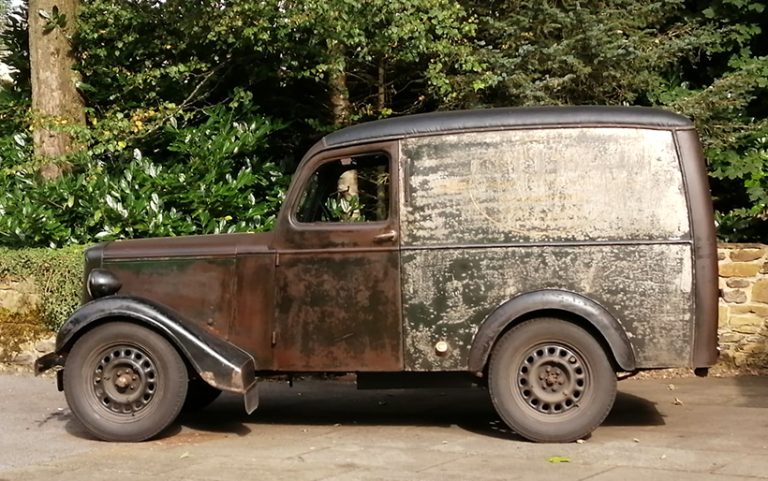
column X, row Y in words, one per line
column 124, row 382
column 551, row 381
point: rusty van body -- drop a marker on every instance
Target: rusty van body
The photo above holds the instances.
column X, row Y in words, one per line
column 538, row 252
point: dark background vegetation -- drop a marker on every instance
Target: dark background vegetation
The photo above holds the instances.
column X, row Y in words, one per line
column 199, row 110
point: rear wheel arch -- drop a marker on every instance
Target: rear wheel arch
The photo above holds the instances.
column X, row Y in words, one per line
column 565, row 305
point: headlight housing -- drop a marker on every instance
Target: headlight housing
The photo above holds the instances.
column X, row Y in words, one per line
column 102, row 282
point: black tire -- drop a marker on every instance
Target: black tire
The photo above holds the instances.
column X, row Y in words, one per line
column 199, row 395
column 124, row 382
column 551, row 381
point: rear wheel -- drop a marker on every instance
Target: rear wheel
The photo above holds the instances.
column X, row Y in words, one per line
column 124, row 382
column 551, row 381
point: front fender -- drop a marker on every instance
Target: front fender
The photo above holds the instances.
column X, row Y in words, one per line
column 218, row 362
column 551, row 300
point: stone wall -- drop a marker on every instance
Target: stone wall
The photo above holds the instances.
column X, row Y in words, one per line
column 743, row 315
column 21, row 330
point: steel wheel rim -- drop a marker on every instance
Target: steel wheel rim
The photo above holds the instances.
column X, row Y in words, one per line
column 123, row 380
column 552, row 379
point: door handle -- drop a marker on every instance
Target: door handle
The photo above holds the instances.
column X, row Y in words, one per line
column 385, row 237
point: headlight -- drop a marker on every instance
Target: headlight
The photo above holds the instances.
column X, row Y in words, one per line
column 102, row 283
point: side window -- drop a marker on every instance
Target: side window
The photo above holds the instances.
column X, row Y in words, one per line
column 350, row 189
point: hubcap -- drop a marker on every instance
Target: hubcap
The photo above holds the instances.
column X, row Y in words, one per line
column 124, row 380
column 552, row 379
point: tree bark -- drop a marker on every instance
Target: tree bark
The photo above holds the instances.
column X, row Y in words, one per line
column 56, row 102
column 337, row 86
column 381, row 87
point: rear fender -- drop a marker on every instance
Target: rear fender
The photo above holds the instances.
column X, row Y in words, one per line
column 551, row 300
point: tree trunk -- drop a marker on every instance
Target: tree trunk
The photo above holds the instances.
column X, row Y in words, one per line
column 337, row 86
column 56, row 102
column 381, row 87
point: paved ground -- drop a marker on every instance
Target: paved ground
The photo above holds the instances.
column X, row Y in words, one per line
column 330, row 431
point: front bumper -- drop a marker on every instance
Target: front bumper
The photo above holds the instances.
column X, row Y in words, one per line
column 47, row 362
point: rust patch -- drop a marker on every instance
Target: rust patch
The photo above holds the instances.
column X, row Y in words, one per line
column 338, row 312
column 200, row 290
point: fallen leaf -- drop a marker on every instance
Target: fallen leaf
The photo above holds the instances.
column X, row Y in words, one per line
column 677, row 402
column 580, row 441
column 559, row 459
column 635, row 440
column 185, row 455
column 671, row 387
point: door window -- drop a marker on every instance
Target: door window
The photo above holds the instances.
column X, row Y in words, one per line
column 347, row 190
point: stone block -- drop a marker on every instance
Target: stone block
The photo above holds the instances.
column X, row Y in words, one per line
column 721, row 255
column 746, row 255
column 737, row 283
column 734, row 295
column 722, row 314
column 730, row 337
column 46, row 345
column 746, row 320
column 739, row 358
column 739, row 269
column 747, row 329
column 760, row 291
column 759, row 309
column 764, row 269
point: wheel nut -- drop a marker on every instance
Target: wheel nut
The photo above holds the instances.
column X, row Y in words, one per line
column 134, row 377
column 572, row 359
column 548, row 369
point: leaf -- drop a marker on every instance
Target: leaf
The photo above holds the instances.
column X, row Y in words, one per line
column 558, row 459
column 19, row 139
column 44, row 14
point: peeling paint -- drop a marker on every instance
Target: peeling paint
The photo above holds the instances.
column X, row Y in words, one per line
column 543, row 185
column 447, row 294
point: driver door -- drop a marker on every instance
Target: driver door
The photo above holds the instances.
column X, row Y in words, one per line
column 338, row 270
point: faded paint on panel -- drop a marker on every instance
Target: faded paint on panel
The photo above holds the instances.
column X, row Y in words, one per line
column 200, row 290
column 447, row 293
column 542, row 186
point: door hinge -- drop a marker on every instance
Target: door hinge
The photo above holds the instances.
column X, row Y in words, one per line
column 274, row 337
column 277, row 259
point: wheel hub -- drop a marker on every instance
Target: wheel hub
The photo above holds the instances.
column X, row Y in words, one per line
column 552, row 379
column 124, row 380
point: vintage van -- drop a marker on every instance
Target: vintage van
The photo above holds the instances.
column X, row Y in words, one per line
column 539, row 252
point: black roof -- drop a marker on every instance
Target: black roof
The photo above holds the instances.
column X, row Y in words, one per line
column 502, row 118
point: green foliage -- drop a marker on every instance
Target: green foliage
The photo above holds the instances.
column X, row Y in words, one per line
column 196, row 108
column 56, row 275
column 706, row 60
column 401, row 54
column 209, row 179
